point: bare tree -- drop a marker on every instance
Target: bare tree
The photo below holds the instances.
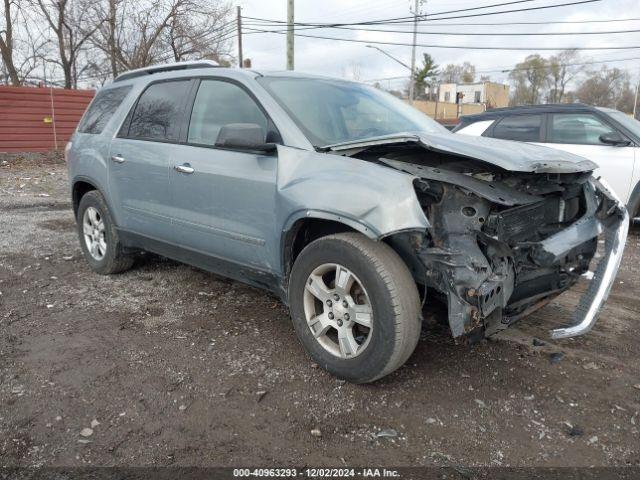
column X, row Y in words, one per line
column 607, row 87
column 134, row 35
column 67, row 41
column 72, row 26
column 353, row 70
column 19, row 49
column 465, row 73
column 562, row 71
column 6, row 43
column 204, row 32
column 530, row 78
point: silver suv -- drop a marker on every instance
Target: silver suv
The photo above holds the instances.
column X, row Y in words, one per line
column 352, row 207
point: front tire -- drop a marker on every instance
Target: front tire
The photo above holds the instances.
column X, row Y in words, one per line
column 355, row 306
column 99, row 239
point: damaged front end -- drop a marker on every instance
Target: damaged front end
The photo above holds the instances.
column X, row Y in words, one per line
column 512, row 226
column 503, row 244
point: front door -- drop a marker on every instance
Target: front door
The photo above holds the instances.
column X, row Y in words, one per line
column 579, row 133
column 141, row 156
column 223, row 201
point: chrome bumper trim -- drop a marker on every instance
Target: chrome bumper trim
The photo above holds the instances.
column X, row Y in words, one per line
column 593, row 299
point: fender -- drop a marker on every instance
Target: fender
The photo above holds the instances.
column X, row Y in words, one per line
column 88, row 162
column 373, row 199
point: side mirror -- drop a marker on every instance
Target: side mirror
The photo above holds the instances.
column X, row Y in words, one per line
column 244, row 136
column 614, row 138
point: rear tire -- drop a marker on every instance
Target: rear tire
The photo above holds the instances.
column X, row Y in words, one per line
column 99, row 238
column 634, row 212
column 384, row 288
column 633, row 207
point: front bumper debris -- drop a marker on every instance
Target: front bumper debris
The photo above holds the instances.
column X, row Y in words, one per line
column 615, row 227
column 496, row 266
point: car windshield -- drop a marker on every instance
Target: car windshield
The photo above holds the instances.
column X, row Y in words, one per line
column 333, row 111
column 628, row 122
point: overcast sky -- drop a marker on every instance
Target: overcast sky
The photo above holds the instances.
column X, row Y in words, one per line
column 267, row 51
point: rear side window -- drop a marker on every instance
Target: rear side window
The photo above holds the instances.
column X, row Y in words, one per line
column 158, row 113
column 220, row 103
column 102, row 108
column 523, row 128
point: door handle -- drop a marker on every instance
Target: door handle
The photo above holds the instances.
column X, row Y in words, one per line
column 117, row 159
column 185, row 168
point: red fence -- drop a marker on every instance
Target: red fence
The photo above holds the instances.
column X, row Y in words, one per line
column 39, row 119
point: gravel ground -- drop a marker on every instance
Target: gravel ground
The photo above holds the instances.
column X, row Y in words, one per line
column 169, row 365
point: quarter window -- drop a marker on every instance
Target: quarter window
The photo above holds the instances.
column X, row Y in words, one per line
column 158, row 112
column 583, row 129
column 221, row 103
column 102, row 108
column 523, row 128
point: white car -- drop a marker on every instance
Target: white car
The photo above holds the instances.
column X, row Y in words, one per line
column 608, row 137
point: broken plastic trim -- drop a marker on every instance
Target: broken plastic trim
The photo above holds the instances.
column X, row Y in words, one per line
column 593, row 299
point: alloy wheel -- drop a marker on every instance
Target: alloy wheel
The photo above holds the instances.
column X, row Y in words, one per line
column 338, row 310
column 94, row 233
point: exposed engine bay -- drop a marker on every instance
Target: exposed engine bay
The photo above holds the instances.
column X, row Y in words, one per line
column 501, row 243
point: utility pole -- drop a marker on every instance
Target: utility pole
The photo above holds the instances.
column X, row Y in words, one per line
column 412, row 81
column 290, row 34
column 240, row 60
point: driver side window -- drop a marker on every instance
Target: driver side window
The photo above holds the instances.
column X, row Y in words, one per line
column 220, row 103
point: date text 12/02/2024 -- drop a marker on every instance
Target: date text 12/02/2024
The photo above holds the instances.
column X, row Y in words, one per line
column 317, row 472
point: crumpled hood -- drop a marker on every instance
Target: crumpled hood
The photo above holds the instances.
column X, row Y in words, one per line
column 506, row 154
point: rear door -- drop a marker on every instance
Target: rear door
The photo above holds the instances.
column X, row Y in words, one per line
column 223, row 200
column 141, row 156
column 579, row 133
column 521, row 128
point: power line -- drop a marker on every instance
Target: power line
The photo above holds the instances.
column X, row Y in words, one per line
column 420, row 32
column 475, row 8
column 461, row 47
column 264, row 24
column 514, row 68
column 424, row 18
column 565, row 22
column 504, row 11
column 420, row 17
column 558, row 22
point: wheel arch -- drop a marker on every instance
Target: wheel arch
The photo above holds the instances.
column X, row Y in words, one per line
column 304, row 228
column 634, row 202
column 80, row 186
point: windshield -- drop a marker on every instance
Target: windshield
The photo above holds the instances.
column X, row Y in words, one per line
column 628, row 122
column 333, row 111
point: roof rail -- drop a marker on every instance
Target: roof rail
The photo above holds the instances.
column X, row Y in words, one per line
column 167, row 67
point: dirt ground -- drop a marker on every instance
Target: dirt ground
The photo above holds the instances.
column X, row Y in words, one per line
column 169, row 365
